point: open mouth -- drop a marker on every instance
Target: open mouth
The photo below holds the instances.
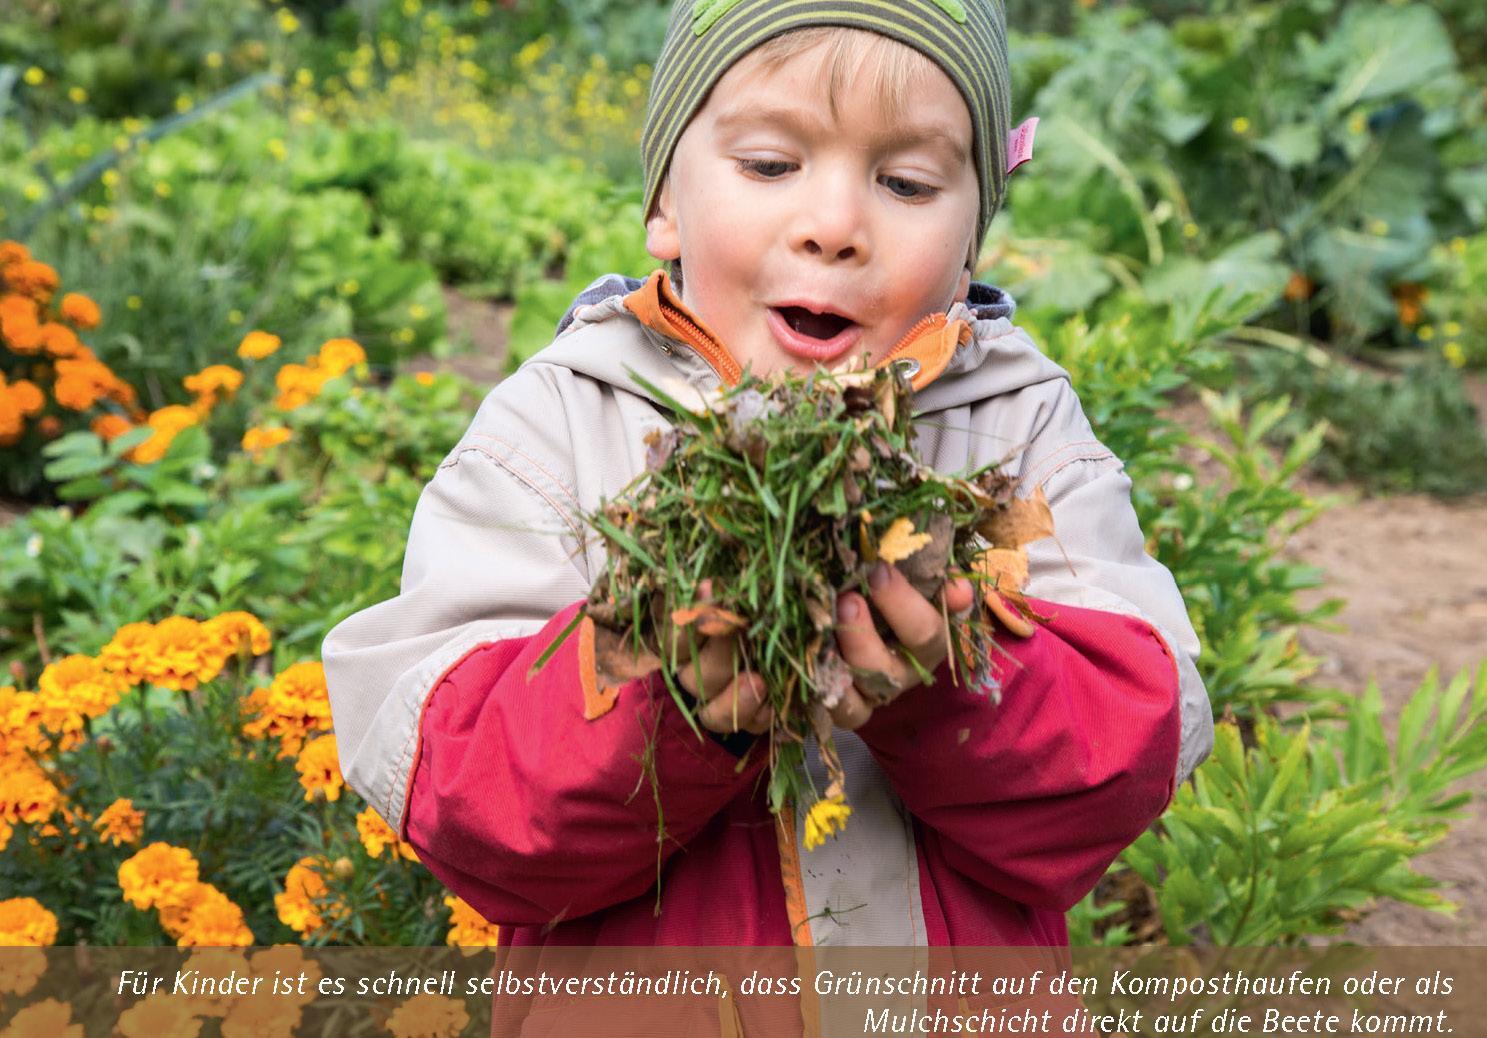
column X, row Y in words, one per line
column 817, row 326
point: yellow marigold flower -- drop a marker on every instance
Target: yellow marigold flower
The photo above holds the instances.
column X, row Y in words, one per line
column 159, row 1016
column 159, row 875
column 80, row 686
column 167, row 423
column 239, row 631
column 259, row 439
column 206, row 918
column 80, row 311
column 130, row 651
column 301, row 906
column 294, row 706
column 467, row 927
column 338, row 356
column 20, row 969
column 428, row 1016
column 319, row 768
column 257, row 345
column 828, row 816
column 120, row 822
column 376, row 836
column 24, row 922
column 181, row 659
column 214, row 382
column 261, row 1018
column 26, row 793
column 45, row 1019
column 297, row 385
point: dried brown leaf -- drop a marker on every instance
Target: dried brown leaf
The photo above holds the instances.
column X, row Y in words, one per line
column 712, row 621
column 1004, row 568
column 1022, row 521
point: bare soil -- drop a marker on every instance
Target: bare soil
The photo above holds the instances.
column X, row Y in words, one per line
column 1413, row 571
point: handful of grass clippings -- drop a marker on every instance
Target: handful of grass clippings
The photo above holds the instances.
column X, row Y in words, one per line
column 781, row 494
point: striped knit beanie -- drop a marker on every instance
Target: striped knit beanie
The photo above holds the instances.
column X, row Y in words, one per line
column 967, row 39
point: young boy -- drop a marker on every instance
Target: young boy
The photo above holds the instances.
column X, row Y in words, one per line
column 819, row 178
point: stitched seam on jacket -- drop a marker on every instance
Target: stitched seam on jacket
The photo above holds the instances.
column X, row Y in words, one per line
column 1089, row 448
column 565, row 488
column 1101, row 455
column 529, row 484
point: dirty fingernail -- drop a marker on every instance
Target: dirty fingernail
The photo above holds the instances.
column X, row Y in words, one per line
column 847, row 609
column 879, row 576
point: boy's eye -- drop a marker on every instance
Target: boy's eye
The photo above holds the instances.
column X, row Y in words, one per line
column 769, row 168
column 905, row 188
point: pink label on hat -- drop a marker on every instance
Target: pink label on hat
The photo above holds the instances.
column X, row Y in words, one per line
column 1020, row 143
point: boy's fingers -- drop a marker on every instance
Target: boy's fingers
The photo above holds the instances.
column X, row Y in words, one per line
column 852, row 711
column 960, row 595
column 743, row 706
column 915, row 621
column 715, row 662
column 864, row 651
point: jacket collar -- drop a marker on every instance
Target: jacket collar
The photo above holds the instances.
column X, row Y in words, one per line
column 929, row 348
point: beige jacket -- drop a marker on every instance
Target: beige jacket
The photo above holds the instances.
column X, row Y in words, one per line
column 497, row 546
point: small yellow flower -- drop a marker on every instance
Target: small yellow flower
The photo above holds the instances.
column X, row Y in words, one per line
column 376, row 836
column 1240, row 125
column 120, row 823
column 32, row 192
column 1190, row 230
column 110, row 178
column 77, row 95
column 277, row 149
column 1357, row 123
column 418, row 311
column 349, row 287
column 1426, row 332
column 162, row 189
column 34, row 76
column 1458, row 245
column 213, row 59
column 1452, row 329
column 1378, row 227
column 134, row 302
column 183, row 103
column 288, row 23
column 424, row 378
column 234, row 317
column 1454, row 354
column 827, row 817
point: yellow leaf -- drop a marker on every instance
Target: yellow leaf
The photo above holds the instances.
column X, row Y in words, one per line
column 901, row 541
column 1025, row 519
column 1004, row 568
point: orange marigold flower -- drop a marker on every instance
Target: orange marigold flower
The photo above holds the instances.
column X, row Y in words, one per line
column 120, row 822
column 213, row 382
column 204, row 917
column 182, row 657
column 260, row 438
column 26, row 793
column 82, row 381
column 26, row 923
column 50, row 427
column 20, row 722
column 109, row 427
column 45, row 1019
column 167, row 422
column 297, row 385
column 293, row 707
column 376, row 836
column 20, row 327
column 429, row 1016
column 12, row 252
column 338, row 356
column 77, row 687
column 33, row 278
column 261, row 1018
column 257, row 345
column 319, row 768
column 303, row 905
column 467, row 927
column 159, row 1016
column 1409, row 301
column 59, row 340
column 81, row 311
column 159, row 875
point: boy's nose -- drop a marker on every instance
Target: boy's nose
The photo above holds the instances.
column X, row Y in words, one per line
column 831, row 224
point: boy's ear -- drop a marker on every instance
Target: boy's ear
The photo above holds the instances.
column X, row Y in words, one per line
column 963, row 290
column 661, row 238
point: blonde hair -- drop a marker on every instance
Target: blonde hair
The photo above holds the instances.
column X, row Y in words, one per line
column 896, row 70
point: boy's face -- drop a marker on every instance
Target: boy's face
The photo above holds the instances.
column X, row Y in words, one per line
column 777, row 209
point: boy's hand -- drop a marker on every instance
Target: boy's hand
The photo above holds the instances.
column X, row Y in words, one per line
column 918, row 624
column 730, row 702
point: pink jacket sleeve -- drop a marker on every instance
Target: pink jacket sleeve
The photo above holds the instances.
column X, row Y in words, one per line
column 1035, row 796
column 533, row 814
